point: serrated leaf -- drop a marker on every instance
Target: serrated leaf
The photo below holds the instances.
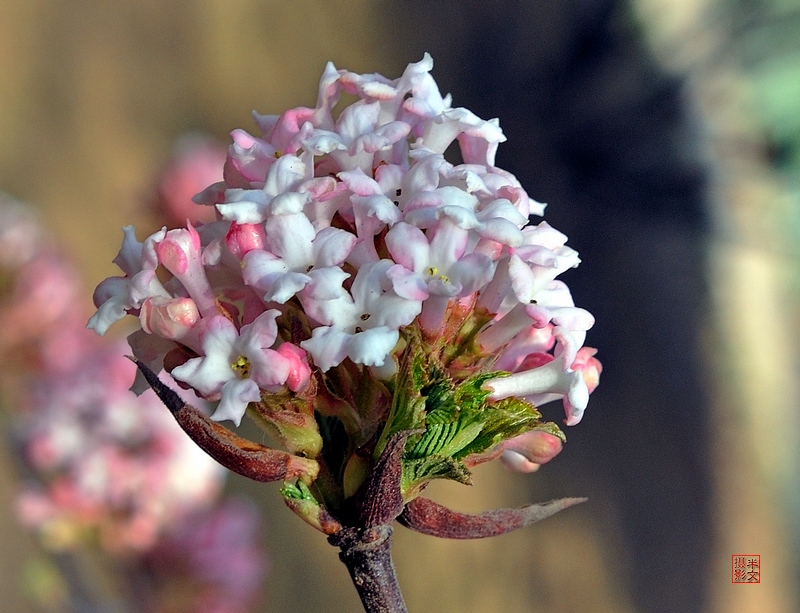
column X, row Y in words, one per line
column 552, row 428
column 417, row 472
column 501, row 421
column 408, row 405
column 445, row 439
column 454, row 419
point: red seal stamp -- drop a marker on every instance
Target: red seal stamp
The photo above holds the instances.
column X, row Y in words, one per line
column 745, row 568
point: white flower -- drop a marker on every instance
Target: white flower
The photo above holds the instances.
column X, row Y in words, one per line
column 294, row 248
column 362, row 325
column 277, row 195
column 236, row 365
column 115, row 296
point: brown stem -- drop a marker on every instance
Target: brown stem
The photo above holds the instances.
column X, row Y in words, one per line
column 367, row 554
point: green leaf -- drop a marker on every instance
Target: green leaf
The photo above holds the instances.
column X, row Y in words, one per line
column 452, row 419
column 502, row 421
column 408, row 405
column 298, row 498
column 297, row 491
column 420, row 471
column 551, row 428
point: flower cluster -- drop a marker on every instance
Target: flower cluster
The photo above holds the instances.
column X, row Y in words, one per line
column 348, row 248
column 108, row 463
column 213, row 562
column 39, row 292
column 105, row 472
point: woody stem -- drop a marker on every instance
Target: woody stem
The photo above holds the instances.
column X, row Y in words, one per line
column 367, row 554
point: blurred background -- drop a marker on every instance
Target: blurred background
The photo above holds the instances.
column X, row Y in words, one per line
column 665, row 136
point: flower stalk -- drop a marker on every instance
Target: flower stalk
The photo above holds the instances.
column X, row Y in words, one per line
column 367, row 555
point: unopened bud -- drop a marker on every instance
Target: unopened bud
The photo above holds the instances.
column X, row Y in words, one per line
column 525, row 453
column 242, row 238
column 168, row 318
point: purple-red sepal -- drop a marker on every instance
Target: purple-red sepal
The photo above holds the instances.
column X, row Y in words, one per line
column 429, row 517
column 238, row 454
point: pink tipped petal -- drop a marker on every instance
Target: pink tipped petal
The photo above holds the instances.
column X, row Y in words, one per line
column 332, row 246
column 129, row 258
column 112, row 300
column 255, row 205
column 325, row 285
column 359, row 183
column 357, row 119
column 408, row 246
column 472, row 272
column 407, row 284
column 260, row 269
column 589, row 366
column 501, row 231
column 289, row 237
column 286, row 286
column 577, row 398
column 502, row 209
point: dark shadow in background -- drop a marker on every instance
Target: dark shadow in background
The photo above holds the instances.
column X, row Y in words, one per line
column 597, row 130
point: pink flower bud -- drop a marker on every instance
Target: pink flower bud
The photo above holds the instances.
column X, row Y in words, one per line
column 299, row 370
column 534, row 360
column 179, row 249
column 168, row 318
column 180, row 253
column 525, row 453
column 589, row 366
column 245, row 237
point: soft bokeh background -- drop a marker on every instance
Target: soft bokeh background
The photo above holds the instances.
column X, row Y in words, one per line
column 665, row 134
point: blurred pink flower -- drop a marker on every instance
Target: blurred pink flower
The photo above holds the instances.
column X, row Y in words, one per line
column 194, row 163
column 213, row 559
column 21, row 236
column 106, row 461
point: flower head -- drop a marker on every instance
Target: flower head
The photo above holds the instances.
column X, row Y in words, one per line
column 359, row 287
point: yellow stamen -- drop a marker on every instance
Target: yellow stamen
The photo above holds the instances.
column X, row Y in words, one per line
column 242, row 367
